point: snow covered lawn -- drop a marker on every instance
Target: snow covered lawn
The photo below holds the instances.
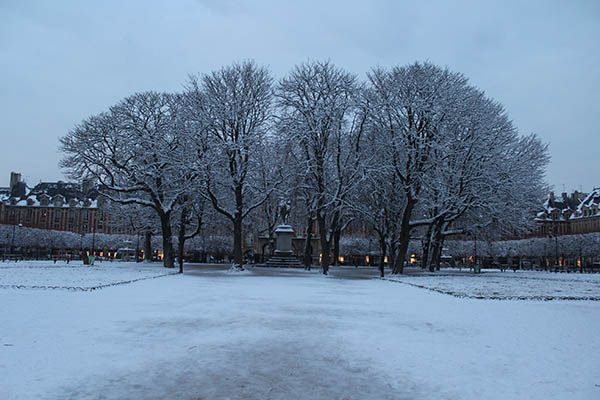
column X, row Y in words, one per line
column 508, row 285
column 282, row 334
column 75, row 275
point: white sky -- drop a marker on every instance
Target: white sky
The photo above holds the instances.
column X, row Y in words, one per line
column 62, row 61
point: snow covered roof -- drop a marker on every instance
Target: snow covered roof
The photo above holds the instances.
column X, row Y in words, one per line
column 560, row 209
column 4, row 194
column 592, row 199
column 590, row 206
column 53, row 194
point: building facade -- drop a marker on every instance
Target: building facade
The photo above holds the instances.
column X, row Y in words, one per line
column 60, row 206
column 575, row 214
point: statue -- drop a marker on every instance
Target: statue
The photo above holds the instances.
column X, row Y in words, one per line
column 284, row 231
column 284, row 211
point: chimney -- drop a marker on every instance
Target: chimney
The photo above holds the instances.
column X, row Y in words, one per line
column 15, row 177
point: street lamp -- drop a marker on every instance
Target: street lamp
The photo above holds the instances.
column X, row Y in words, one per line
column 94, row 238
column 12, row 242
column 556, row 260
column 137, row 247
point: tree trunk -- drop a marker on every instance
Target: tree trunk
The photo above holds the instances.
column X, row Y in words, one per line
column 404, row 238
column 438, row 255
column 137, row 247
column 383, row 247
column 434, row 246
column 336, row 245
column 308, row 245
column 167, row 233
column 238, row 256
column 148, row 246
column 392, row 251
column 238, row 252
column 181, row 239
column 324, row 243
column 425, row 258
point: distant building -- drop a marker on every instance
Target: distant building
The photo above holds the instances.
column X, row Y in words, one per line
column 574, row 214
column 58, row 206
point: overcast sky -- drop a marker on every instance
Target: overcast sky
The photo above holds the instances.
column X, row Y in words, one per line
column 62, row 61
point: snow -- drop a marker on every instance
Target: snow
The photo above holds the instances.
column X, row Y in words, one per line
column 518, row 285
column 283, row 334
column 75, row 275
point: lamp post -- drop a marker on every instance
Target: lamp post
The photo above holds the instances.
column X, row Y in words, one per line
column 549, row 250
column 12, row 242
column 137, row 247
column 580, row 259
column 81, row 232
column 476, row 265
column 554, row 235
column 556, row 250
column 94, row 238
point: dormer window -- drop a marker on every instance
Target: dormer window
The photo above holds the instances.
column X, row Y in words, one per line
column 30, row 201
column 43, row 199
column 58, row 201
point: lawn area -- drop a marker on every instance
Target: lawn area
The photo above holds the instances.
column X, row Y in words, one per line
column 507, row 285
column 75, row 275
column 292, row 334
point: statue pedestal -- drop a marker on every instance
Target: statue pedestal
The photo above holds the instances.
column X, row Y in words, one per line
column 283, row 240
column 283, row 256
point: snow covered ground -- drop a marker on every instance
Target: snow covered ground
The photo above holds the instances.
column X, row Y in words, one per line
column 75, row 275
column 507, row 285
column 283, row 334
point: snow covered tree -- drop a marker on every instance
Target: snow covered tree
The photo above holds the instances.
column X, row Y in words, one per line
column 455, row 153
column 409, row 106
column 380, row 203
column 232, row 108
column 132, row 151
column 140, row 219
column 485, row 173
column 321, row 116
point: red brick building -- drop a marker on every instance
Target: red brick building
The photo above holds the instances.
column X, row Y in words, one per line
column 575, row 214
column 58, row 205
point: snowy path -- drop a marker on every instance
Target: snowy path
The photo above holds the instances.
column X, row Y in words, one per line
column 291, row 335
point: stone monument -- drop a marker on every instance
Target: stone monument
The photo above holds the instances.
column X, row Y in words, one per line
column 284, row 232
column 284, row 251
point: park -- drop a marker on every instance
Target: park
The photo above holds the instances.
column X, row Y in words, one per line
column 338, row 200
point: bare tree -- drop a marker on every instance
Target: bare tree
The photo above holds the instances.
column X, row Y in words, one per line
column 322, row 118
column 132, row 151
column 233, row 108
column 451, row 148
